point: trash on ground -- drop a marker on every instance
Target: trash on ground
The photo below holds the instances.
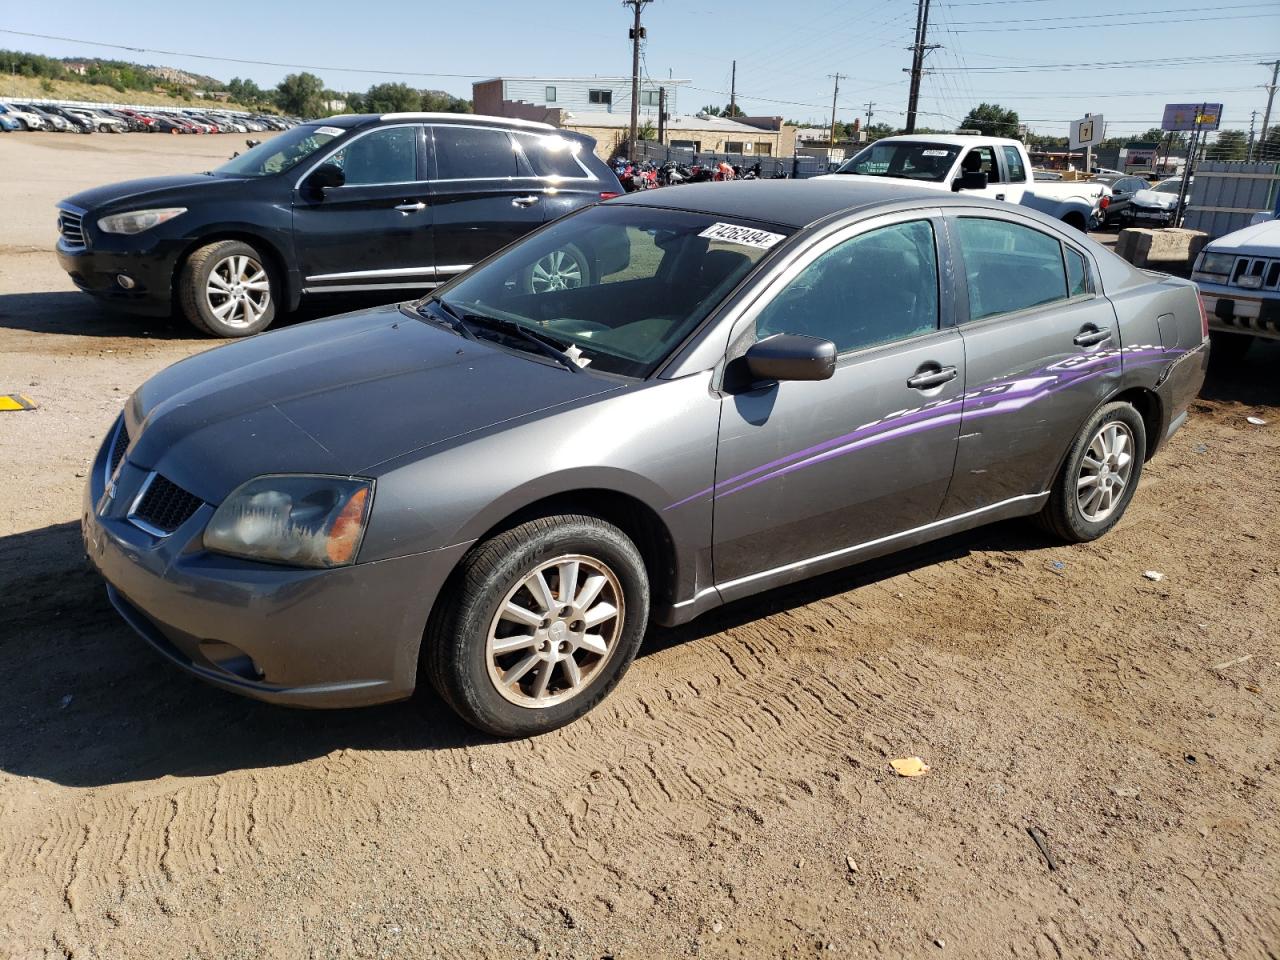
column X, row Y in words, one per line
column 1200, row 448
column 1256, row 421
column 16, row 401
column 1233, row 663
column 909, row 766
column 1042, row 842
column 851, row 863
column 1057, row 565
column 1124, row 791
column 1155, row 575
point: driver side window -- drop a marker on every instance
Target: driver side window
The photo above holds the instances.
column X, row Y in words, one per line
column 389, row 155
column 984, row 159
column 874, row 288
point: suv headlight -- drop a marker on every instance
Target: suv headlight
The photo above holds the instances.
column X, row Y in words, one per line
column 297, row 520
column 135, row 221
column 1219, row 264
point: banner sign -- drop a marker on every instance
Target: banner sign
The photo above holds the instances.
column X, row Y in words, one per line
column 1189, row 116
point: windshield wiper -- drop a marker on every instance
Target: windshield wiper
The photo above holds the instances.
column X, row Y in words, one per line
column 543, row 343
column 447, row 317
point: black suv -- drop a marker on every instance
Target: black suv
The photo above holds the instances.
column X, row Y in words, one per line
column 401, row 201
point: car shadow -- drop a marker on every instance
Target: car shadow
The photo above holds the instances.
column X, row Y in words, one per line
column 88, row 704
column 76, row 314
column 1253, row 380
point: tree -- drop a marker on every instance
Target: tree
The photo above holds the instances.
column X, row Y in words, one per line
column 246, row 91
column 992, row 119
column 732, row 110
column 392, row 98
column 437, row 101
column 299, row 95
column 711, row 110
column 646, row 131
column 1230, row 145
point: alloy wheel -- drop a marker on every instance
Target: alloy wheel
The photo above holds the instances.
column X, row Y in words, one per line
column 555, row 631
column 238, row 290
column 1105, row 471
column 558, row 270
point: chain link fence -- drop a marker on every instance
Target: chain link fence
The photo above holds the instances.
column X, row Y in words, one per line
column 792, row 168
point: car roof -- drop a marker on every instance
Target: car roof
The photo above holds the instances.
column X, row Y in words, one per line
column 950, row 139
column 794, row 203
column 361, row 119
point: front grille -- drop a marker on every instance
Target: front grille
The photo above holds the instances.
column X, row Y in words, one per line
column 71, row 226
column 165, row 506
column 118, row 448
column 1256, row 273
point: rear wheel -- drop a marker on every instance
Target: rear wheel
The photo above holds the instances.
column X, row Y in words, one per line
column 1099, row 477
column 543, row 623
column 226, row 290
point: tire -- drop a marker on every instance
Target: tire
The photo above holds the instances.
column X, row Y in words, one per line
column 564, row 269
column 1065, row 514
column 458, row 657
column 1228, row 349
column 249, row 281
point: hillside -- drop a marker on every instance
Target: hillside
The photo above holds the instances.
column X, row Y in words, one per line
column 41, row 88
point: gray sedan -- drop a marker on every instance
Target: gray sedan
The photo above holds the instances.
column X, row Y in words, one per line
column 644, row 410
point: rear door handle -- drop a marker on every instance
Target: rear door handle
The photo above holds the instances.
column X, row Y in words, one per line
column 1091, row 338
column 528, row 201
column 408, row 208
column 927, row 379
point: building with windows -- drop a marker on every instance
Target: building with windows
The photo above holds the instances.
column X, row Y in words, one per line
column 601, row 108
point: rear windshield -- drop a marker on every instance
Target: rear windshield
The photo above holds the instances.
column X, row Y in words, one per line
column 912, row 161
column 622, row 285
column 280, row 153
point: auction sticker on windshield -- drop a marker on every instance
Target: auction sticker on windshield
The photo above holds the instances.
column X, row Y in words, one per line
column 746, row 236
column 330, row 131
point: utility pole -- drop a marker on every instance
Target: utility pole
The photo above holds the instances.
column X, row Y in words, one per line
column 1266, row 117
column 662, row 115
column 870, row 105
column 836, row 93
column 918, row 51
column 733, row 91
column 637, row 34
column 1253, row 119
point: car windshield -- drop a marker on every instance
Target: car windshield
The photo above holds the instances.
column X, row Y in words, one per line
column 618, row 287
column 914, row 161
column 281, row 153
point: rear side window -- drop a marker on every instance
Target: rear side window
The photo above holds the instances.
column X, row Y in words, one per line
column 1077, row 274
column 874, row 288
column 1009, row 267
column 471, row 153
column 552, row 155
column 1013, row 160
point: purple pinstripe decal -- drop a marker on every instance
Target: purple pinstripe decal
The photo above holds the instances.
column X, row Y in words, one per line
column 992, row 399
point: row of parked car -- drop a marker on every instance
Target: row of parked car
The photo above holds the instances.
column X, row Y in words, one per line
column 57, row 118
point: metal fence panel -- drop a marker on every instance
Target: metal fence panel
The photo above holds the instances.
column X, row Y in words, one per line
column 1227, row 194
column 795, row 168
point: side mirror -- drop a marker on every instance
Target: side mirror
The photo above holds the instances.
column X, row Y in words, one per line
column 325, row 176
column 791, row 356
column 970, row 180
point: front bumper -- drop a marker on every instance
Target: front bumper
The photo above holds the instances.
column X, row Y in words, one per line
column 96, row 272
column 1238, row 310
column 1147, row 216
column 344, row 637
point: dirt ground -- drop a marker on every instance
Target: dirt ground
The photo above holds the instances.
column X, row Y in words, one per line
column 732, row 798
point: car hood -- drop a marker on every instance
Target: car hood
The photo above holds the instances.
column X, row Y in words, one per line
column 132, row 192
column 336, row 396
column 1154, row 199
column 1259, row 240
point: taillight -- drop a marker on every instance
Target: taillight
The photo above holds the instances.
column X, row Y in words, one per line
column 1204, row 318
column 608, row 195
column 1104, row 202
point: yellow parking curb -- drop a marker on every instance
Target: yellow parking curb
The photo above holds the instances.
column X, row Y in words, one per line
column 16, row 401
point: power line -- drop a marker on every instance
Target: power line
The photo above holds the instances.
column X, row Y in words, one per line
column 1093, row 17
column 1109, row 64
column 1116, row 23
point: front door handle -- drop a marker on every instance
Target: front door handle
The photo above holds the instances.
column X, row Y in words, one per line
column 1092, row 337
column 528, row 201
column 408, row 208
column 928, row 379
column 999, row 196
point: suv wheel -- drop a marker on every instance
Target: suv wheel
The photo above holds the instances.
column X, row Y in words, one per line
column 564, row 269
column 226, row 289
column 544, row 621
column 1100, row 476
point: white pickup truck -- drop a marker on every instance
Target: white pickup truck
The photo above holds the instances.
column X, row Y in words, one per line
column 988, row 166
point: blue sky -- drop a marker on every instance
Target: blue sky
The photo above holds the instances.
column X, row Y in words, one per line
column 1050, row 61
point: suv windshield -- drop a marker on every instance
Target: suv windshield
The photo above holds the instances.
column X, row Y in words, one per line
column 913, row 161
column 280, row 153
column 618, row 287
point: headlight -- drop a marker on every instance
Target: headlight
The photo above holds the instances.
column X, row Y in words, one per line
column 301, row 521
column 1217, row 263
column 135, row 221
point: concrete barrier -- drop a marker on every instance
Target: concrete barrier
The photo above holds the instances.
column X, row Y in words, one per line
column 1171, row 250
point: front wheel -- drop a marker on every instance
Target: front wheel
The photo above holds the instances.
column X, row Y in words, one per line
column 226, row 290
column 543, row 622
column 1099, row 477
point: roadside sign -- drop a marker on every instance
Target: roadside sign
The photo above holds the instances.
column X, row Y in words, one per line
column 1085, row 132
column 1191, row 116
